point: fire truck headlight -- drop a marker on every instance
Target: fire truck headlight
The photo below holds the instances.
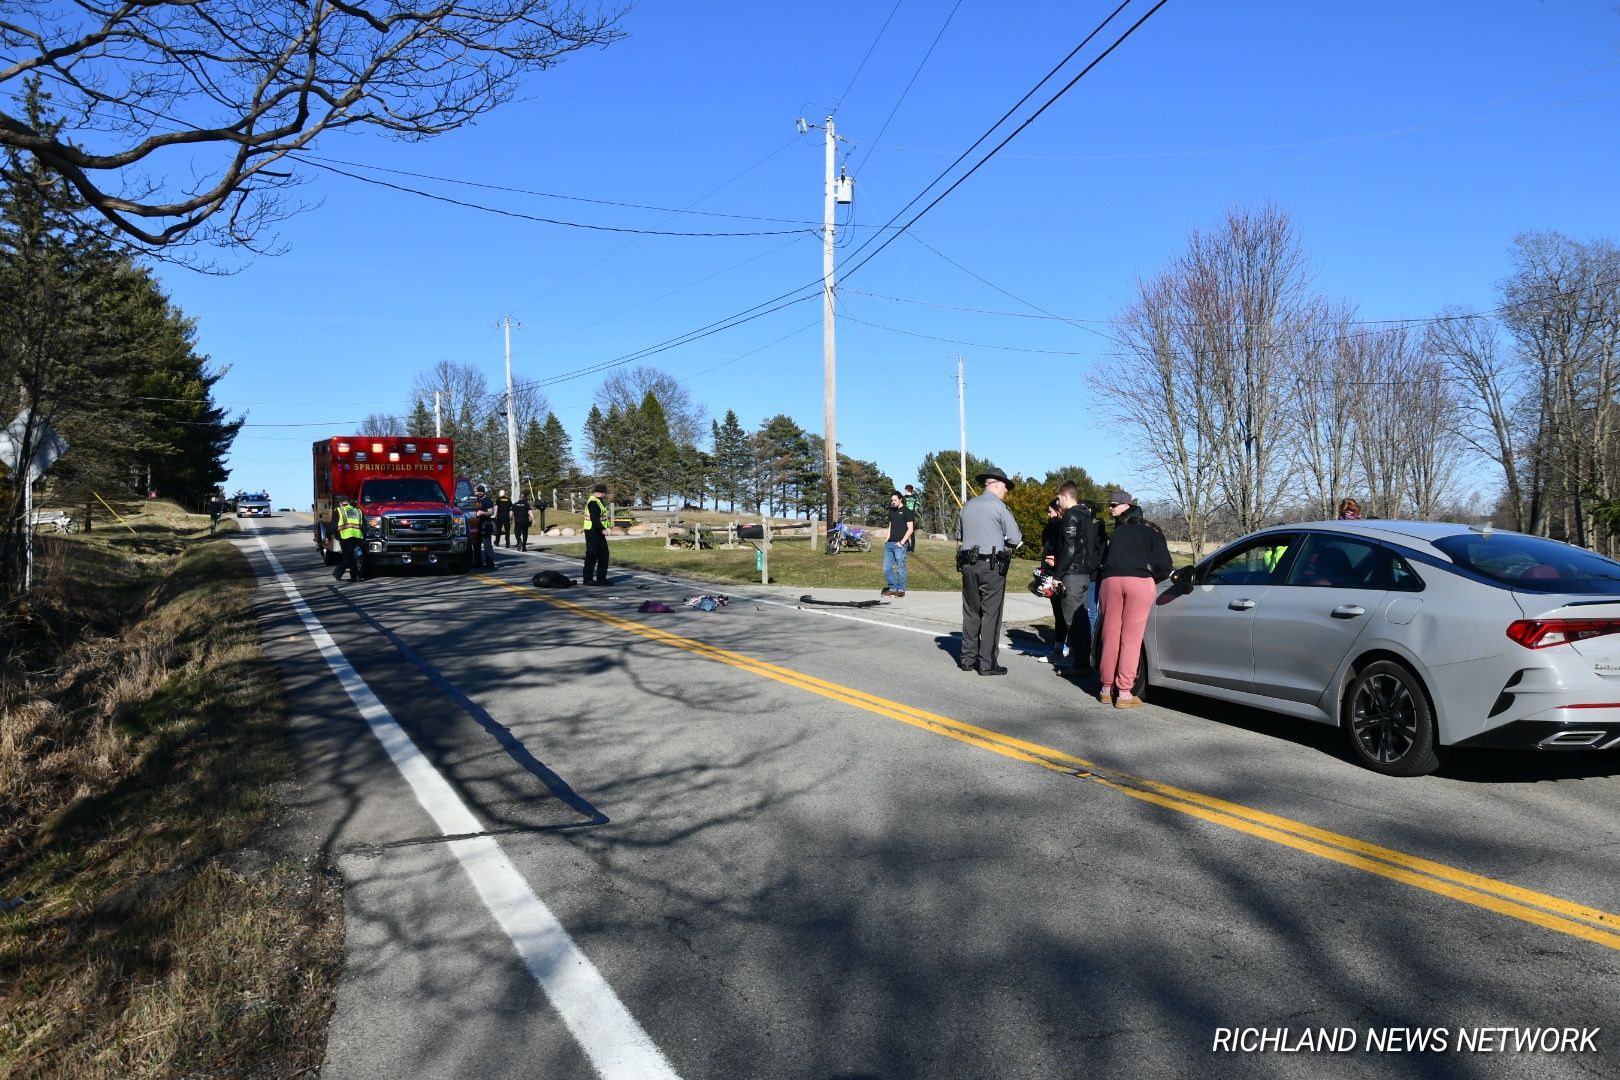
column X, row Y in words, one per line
column 459, row 526
column 374, row 522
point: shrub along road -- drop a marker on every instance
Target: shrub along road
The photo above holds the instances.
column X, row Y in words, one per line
column 728, row 844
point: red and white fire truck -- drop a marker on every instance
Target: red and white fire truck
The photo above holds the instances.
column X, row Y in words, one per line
column 401, row 485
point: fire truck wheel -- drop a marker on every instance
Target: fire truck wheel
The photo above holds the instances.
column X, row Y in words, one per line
column 330, row 558
column 461, row 565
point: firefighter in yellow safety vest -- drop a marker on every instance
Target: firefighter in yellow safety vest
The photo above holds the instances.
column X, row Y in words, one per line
column 351, row 536
column 597, row 519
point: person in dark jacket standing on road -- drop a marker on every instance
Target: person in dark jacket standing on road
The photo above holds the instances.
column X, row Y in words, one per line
column 1137, row 559
column 1051, row 544
column 986, row 535
column 1079, row 553
column 597, row 519
column 503, row 518
column 520, row 522
column 485, row 551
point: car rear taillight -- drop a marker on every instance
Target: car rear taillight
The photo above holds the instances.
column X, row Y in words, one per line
column 1545, row 633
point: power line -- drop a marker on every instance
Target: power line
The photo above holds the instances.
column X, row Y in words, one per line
column 912, row 81
column 538, row 218
column 633, row 241
column 788, row 298
column 891, row 237
column 869, row 49
column 782, row 300
column 972, row 344
column 1003, row 119
column 322, row 162
column 1078, row 325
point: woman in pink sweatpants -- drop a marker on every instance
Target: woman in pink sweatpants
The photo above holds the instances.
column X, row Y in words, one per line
column 1137, row 559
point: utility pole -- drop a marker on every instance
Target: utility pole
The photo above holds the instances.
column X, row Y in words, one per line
column 838, row 189
column 511, row 418
column 829, row 348
column 961, row 423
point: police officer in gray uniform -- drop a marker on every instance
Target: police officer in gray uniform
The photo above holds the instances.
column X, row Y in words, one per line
column 986, row 535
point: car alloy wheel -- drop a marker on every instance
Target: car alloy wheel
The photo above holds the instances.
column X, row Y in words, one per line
column 1389, row 722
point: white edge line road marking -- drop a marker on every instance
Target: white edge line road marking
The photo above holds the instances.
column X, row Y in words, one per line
column 616, row 1044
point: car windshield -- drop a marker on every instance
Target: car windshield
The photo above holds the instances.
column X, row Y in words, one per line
column 1533, row 564
column 410, row 489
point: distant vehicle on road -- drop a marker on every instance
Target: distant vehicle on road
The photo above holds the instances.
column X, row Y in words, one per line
column 253, row 504
column 1410, row 636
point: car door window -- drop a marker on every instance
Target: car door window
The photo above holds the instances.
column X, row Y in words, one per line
column 1255, row 563
column 1339, row 562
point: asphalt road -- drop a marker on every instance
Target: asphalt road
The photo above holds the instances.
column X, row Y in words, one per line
column 761, row 842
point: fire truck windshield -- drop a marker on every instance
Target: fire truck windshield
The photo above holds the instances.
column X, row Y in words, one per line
column 408, row 489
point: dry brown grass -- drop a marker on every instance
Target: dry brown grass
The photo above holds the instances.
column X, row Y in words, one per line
column 141, row 738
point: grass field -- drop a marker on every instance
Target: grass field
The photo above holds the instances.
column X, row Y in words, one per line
column 932, row 567
column 142, row 931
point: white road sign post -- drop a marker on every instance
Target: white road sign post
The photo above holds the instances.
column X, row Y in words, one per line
column 44, row 448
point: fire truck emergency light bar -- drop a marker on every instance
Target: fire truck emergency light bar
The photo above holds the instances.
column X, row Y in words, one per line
column 393, row 455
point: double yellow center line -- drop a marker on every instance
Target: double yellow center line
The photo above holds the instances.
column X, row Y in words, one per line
column 1541, row 909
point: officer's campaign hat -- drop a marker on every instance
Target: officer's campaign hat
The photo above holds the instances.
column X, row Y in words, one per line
column 995, row 474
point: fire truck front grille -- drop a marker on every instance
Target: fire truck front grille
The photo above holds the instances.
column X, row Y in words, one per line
column 414, row 527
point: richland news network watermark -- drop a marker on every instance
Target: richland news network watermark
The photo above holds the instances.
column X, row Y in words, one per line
column 1406, row 1040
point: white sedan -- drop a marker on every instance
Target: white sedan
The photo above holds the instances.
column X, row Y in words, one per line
column 1411, row 636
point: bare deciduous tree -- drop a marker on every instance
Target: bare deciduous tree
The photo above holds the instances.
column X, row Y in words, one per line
column 1384, row 429
column 182, row 114
column 1490, row 387
column 1159, row 383
column 1433, row 445
column 379, row 424
column 1248, row 305
column 1562, row 308
column 1329, row 408
column 1211, row 367
column 688, row 420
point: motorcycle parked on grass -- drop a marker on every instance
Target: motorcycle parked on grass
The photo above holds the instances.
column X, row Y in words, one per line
column 841, row 537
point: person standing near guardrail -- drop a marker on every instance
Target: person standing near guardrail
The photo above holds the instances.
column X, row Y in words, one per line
column 597, row 519
column 986, row 535
column 902, row 524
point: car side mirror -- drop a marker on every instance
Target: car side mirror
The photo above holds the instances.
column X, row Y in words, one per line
column 1182, row 577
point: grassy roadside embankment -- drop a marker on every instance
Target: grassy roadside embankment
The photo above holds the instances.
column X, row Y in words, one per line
column 931, row 568
column 142, row 740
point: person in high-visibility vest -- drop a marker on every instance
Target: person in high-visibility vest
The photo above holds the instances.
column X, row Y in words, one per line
column 351, row 535
column 597, row 520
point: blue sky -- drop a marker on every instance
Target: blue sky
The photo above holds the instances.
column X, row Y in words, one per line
column 1410, row 142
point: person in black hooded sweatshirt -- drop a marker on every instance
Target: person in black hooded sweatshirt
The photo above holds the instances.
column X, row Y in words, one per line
column 1137, row 559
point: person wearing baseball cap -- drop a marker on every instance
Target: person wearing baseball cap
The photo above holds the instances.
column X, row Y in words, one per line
column 597, row 518
column 986, row 535
column 1137, row 559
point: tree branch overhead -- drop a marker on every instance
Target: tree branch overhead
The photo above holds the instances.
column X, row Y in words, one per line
column 174, row 107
